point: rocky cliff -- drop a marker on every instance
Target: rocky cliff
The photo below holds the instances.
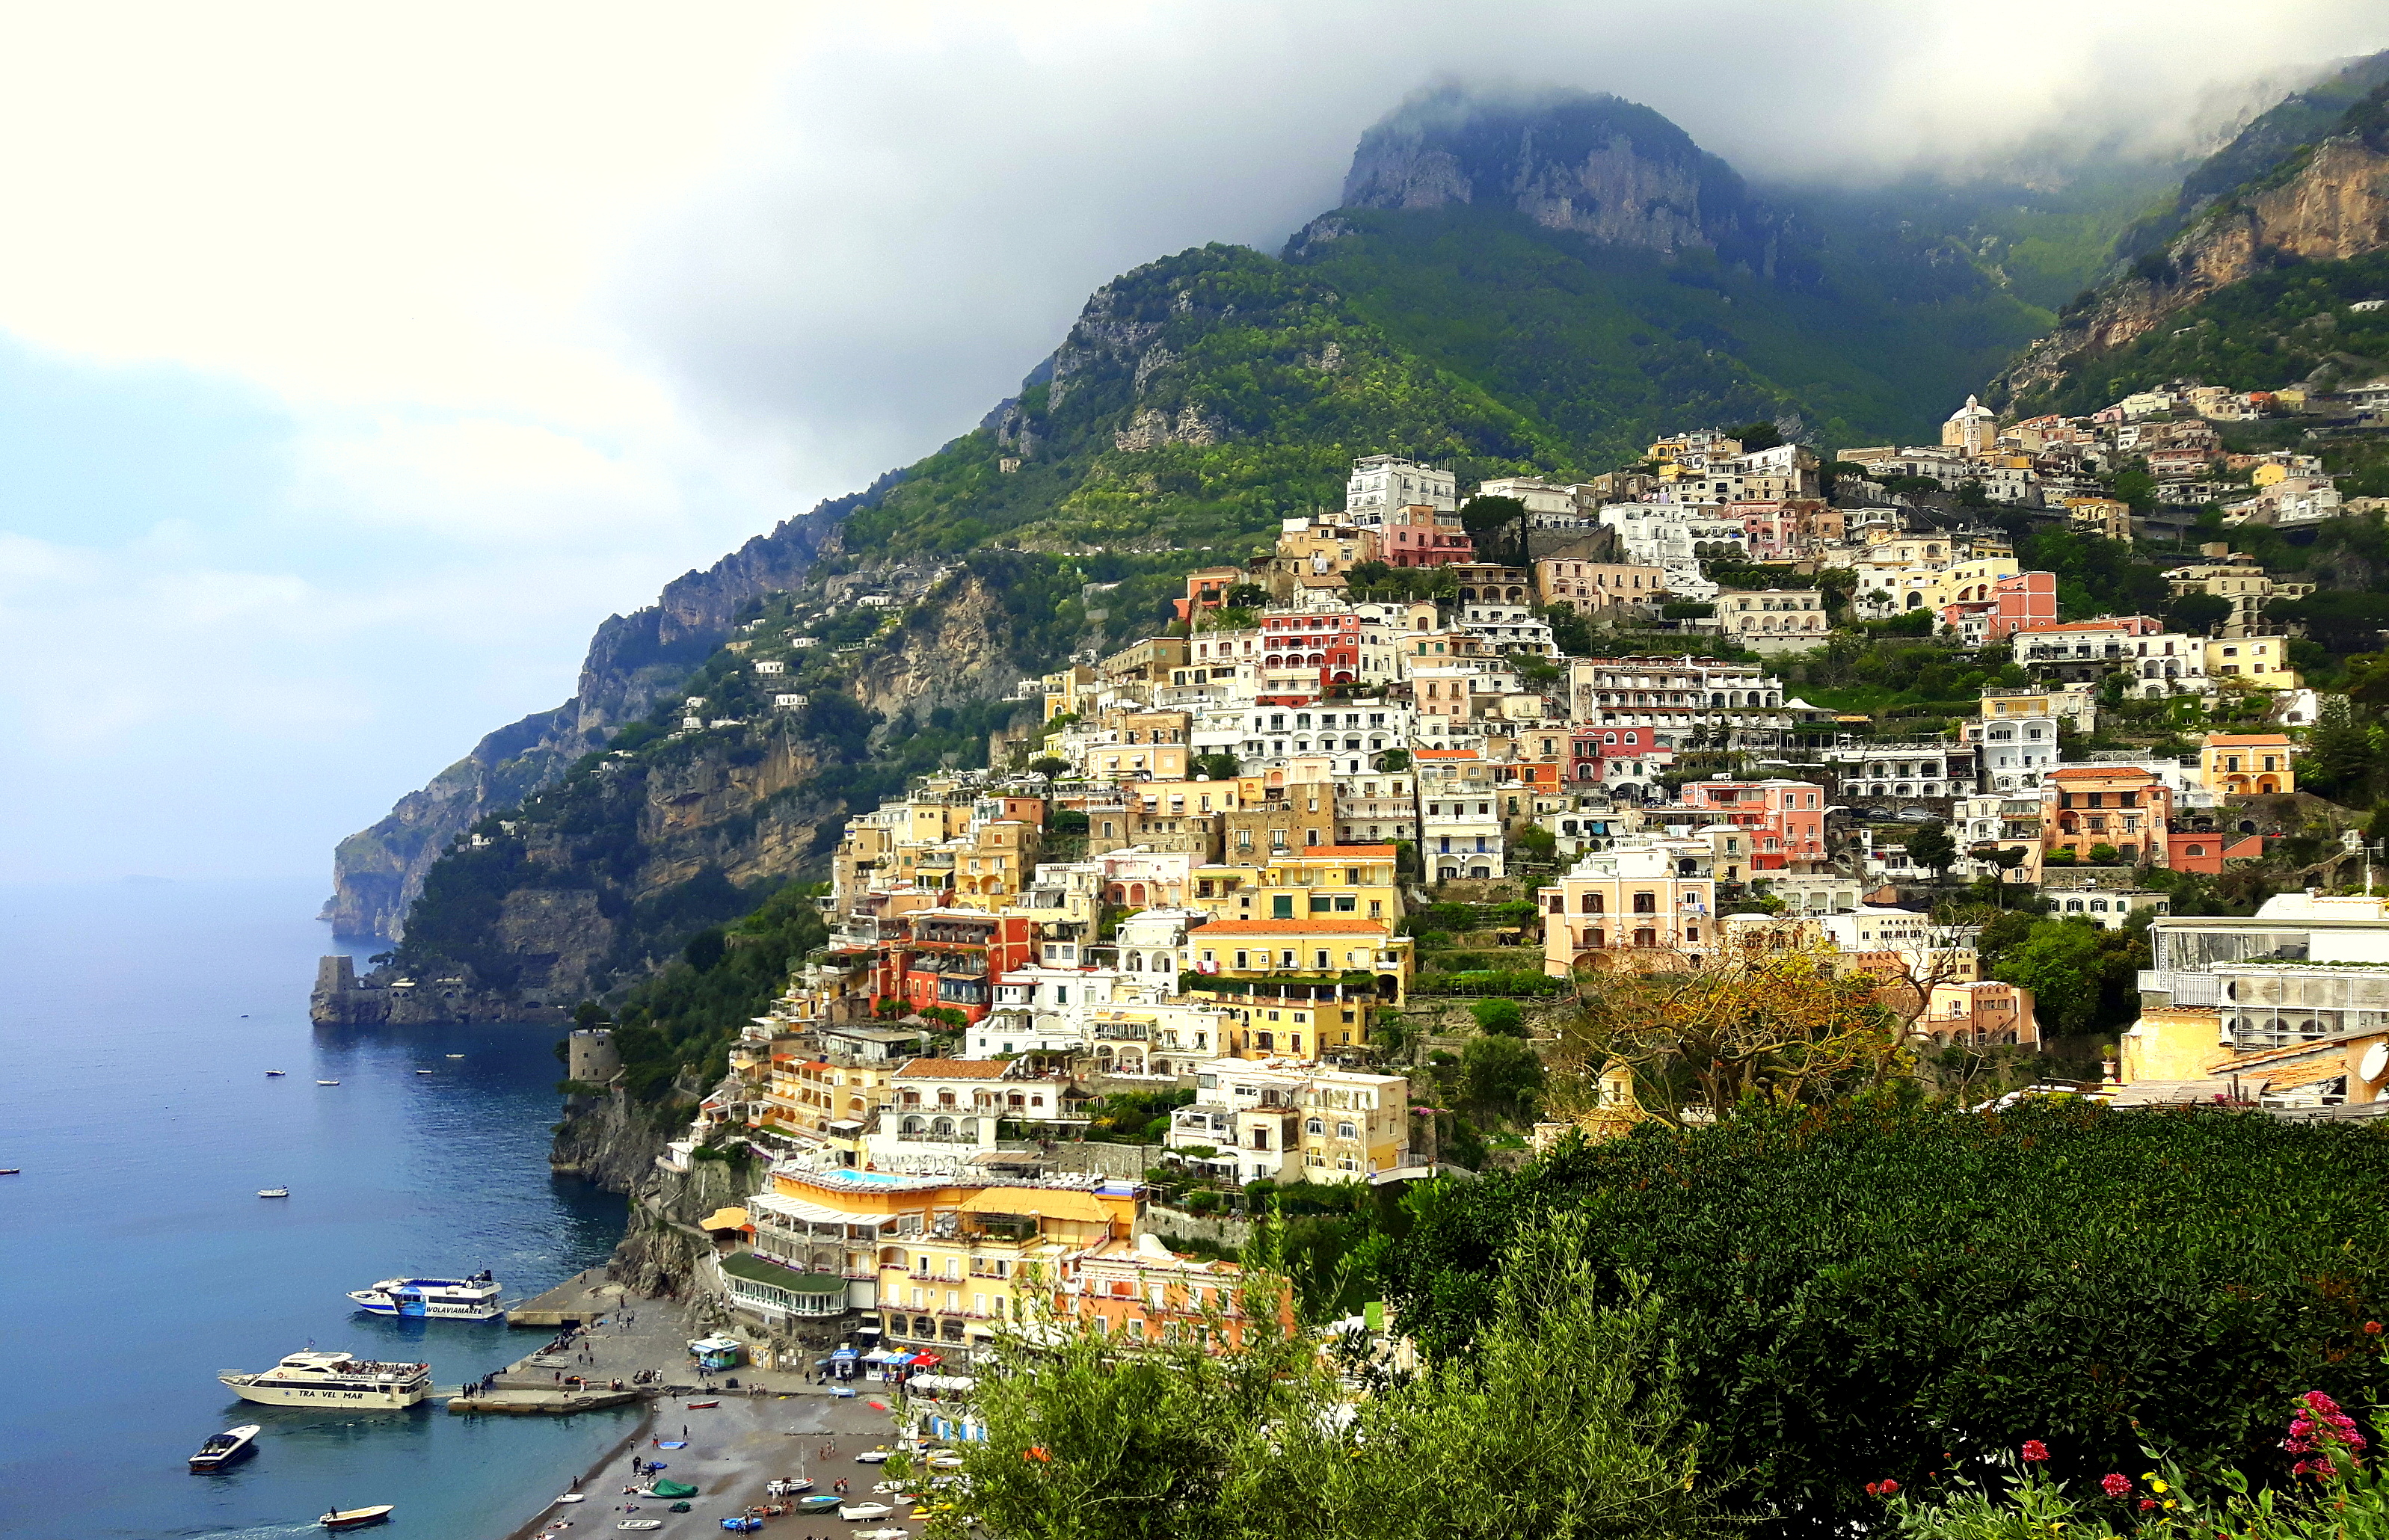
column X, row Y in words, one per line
column 2327, row 202
column 378, row 871
column 613, row 1141
column 1604, row 167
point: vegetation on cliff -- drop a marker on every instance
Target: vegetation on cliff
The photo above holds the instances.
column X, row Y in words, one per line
column 684, row 1017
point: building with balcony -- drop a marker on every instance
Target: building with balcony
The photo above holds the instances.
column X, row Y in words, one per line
column 1784, row 819
column 2246, row 763
column 2123, row 806
column 1139, row 1291
column 1292, row 1122
column 1650, row 903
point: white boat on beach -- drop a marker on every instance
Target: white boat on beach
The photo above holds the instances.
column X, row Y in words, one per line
column 314, row 1379
column 439, row 1298
column 574, row 1497
column 854, row 1512
column 640, row 1523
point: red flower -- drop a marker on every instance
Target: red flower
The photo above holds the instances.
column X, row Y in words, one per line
column 2147, row 1502
column 2116, row 1484
column 2372, row 1328
column 2035, row 1450
column 1890, row 1487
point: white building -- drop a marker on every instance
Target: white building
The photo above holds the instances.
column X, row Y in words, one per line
column 1380, row 483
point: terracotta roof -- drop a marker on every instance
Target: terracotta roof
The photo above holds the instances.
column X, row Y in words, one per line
column 956, row 1069
column 2216, row 740
column 1339, row 852
column 2081, row 771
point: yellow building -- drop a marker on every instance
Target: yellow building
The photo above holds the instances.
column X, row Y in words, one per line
column 1148, row 746
column 1069, row 692
column 2260, row 661
column 940, row 1260
column 2242, row 764
column 1333, row 882
column 1299, row 986
column 805, row 1095
column 2100, row 516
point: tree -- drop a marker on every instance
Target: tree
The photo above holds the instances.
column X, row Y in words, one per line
column 1245, row 596
column 2198, row 614
column 2080, row 974
column 1769, row 1020
column 1758, row 436
column 1495, row 523
column 1218, row 766
column 1050, row 765
column 1392, row 760
column 1536, row 843
column 1500, row 1075
column 1931, row 846
column 1499, row 1018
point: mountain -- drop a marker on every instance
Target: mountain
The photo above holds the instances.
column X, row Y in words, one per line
column 2308, row 205
column 1583, row 261
column 1195, row 401
column 1533, row 284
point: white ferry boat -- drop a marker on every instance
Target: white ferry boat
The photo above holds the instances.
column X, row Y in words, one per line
column 333, row 1380
column 439, row 1298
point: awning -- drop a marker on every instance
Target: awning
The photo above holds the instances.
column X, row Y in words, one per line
column 1045, row 1202
column 878, row 1356
column 798, row 1211
column 725, row 1218
column 842, row 1353
column 923, row 1360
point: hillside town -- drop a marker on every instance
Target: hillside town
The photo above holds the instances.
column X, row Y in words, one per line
column 1218, row 918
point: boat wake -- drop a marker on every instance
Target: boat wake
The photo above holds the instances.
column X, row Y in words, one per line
column 264, row 1531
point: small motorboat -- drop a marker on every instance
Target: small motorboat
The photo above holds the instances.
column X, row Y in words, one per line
column 223, row 1448
column 820, row 1504
column 703, row 1406
column 455, row 1056
column 425, row 1072
column 787, row 1486
column 276, row 1073
column 356, row 1518
column 327, row 1082
column 574, row 1497
column 742, row 1525
column 872, row 1457
column 854, row 1511
column 11, row 1171
column 273, row 1192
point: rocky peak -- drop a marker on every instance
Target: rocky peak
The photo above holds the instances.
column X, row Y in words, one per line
column 1608, row 168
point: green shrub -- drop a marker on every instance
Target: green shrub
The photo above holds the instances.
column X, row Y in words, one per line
column 1865, row 1291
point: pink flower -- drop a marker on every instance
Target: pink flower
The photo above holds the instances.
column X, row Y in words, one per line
column 2147, row 1502
column 2116, row 1484
column 2035, row 1450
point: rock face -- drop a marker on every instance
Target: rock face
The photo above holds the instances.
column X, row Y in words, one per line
column 613, row 1143
column 1610, row 170
column 388, row 999
column 2328, row 204
column 376, row 872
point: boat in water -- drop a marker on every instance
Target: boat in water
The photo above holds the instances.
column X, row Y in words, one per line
column 356, row 1518
column 273, row 1192
column 439, row 1298
column 327, row 1082
column 276, row 1073
column 225, row 1448
column 314, row 1379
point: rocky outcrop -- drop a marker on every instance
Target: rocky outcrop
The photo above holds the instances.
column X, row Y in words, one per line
column 613, row 1143
column 378, row 872
column 389, row 998
column 1607, row 169
column 2330, row 204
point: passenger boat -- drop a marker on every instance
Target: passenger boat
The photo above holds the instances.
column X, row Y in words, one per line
column 227, row 1446
column 356, row 1518
column 273, row 1192
column 439, row 1298
column 314, row 1379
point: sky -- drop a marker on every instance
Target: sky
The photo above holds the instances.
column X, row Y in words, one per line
column 355, row 362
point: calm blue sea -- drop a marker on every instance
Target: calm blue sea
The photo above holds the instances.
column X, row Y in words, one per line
column 137, row 1024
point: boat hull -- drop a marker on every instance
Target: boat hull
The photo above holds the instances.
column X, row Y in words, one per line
column 427, row 1310
column 371, row 1398
column 244, row 1444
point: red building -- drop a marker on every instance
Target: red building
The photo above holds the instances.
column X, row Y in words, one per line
column 1330, row 643
column 1588, row 748
column 2024, row 602
column 1786, row 818
column 951, row 958
column 1420, row 536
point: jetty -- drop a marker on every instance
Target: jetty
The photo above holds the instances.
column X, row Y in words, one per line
column 577, row 1301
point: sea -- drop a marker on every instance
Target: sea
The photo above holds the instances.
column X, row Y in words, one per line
column 138, row 1023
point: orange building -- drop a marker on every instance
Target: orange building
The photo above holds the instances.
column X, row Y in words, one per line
column 1141, row 1289
column 2088, row 805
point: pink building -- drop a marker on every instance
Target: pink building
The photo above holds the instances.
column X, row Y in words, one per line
column 1786, row 818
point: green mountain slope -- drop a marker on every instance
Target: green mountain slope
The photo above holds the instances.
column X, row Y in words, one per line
column 2273, row 329
column 1613, row 345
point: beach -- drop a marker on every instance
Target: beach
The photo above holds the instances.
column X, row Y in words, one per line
column 773, row 1424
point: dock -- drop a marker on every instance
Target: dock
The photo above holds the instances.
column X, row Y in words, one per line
column 525, row 1401
column 577, row 1301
